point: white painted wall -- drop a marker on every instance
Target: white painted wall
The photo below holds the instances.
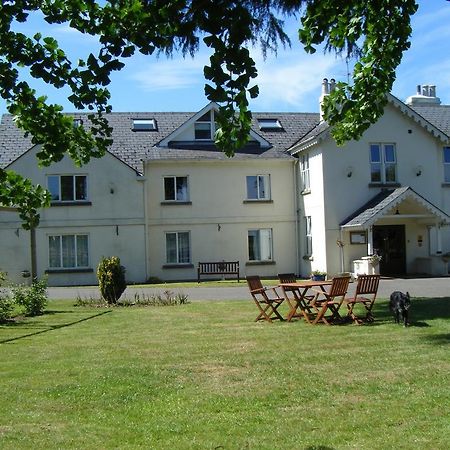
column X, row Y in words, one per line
column 343, row 195
column 114, row 221
column 218, row 195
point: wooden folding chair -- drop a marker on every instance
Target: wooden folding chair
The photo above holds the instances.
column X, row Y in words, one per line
column 365, row 294
column 288, row 278
column 298, row 300
column 266, row 304
column 331, row 301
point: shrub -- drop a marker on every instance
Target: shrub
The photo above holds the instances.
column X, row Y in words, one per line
column 6, row 302
column 111, row 279
column 6, row 307
column 33, row 299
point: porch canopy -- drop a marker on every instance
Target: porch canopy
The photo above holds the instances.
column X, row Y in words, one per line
column 396, row 205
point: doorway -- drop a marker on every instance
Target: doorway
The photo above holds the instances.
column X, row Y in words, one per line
column 389, row 242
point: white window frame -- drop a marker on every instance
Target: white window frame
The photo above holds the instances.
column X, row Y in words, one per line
column 263, row 179
column 61, row 265
column 144, row 125
column 179, row 258
column 269, row 124
column 201, row 122
column 383, row 164
column 74, row 188
column 304, row 173
column 308, row 236
column 446, row 162
column 174, row 178
column 265, row 250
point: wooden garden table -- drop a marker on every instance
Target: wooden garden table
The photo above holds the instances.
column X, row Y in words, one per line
column 299, row 302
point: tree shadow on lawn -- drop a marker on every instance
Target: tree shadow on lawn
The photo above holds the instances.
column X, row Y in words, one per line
column 422, row 309
column 31, row 325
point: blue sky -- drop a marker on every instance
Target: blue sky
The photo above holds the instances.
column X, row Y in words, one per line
column 291, row 81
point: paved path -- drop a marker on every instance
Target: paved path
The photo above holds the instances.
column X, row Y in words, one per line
column 417, row 287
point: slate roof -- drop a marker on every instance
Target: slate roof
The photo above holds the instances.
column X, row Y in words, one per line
column 385, row 200
column 438, row 115
column 132, row 147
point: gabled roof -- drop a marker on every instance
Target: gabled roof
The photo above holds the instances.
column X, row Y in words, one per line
column 133, row 147
column 434, row 119
column 385, row 201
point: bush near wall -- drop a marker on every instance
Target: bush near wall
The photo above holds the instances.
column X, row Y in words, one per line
column 111, row 279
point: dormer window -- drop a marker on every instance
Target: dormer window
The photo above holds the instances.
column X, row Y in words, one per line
column 270, row 125
column 144, row 125
column 205, row 127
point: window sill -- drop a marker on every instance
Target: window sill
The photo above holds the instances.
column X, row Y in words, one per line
column 77, row 203
column 257, row 201
column 305, row 192
column 74, row 270
column 260, row 263
column 446, row 185
column 384, row 185
column 178, row 266
column 175, row 203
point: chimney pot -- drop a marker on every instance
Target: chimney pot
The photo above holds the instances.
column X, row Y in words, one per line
column 325, row 87
column 419, row 89
column 432, row 90
column 332, row 85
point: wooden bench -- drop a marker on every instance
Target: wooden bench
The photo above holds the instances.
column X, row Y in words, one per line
column 218, row 268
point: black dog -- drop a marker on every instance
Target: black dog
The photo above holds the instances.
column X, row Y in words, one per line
column 399, row 304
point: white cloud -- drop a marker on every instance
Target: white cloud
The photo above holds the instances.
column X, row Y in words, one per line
column 295, row 79
column 171, row 74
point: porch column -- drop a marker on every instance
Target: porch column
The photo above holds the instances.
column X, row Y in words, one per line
column 438, row 239
column 369, row 241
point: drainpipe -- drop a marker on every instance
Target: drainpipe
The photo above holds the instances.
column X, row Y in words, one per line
column 341, row 250
column 143, row 180
column 297, row 219
column 33, row 253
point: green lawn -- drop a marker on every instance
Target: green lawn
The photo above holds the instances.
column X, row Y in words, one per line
column 205, row 376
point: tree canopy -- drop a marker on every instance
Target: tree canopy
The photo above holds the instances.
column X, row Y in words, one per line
column 374, row 32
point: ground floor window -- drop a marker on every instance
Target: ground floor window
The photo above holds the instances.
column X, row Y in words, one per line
column 178, row 247
column 68, row 251
column 260, row 245
column 308, row 236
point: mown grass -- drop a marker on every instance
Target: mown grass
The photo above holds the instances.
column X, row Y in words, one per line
column 205, row 376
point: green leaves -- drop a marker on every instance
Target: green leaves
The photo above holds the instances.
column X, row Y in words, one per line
column 375, row 33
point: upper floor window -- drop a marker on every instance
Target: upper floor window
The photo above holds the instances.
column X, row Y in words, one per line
column 260, row 245
column 67, row 188
column 68, row 251
column 176, row 189
column 205, row 127
column 304, row 173
column 258, row 187
column 144, row 125
column 383, row 163
column 447, row 164
column 178, row 247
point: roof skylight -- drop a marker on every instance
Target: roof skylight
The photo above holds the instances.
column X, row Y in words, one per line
column 270, row 124
column 144, row 125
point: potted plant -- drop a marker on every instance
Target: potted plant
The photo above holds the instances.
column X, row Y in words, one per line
column 374, row 260
column 318, row 275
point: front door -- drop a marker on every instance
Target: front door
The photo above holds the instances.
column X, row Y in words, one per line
column 389, row 242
